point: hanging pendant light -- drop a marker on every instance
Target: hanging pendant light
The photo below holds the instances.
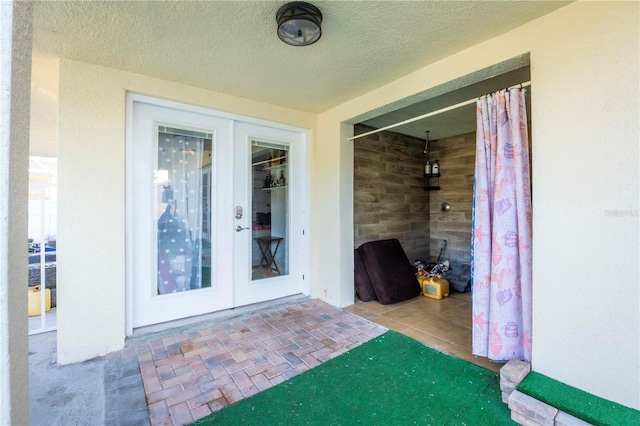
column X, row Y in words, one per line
column 299, row 23
column 426, row 144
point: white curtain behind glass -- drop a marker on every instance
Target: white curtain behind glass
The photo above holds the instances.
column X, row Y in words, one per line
column 180, row 212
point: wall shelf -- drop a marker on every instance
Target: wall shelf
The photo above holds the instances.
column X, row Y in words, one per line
column 432, row 182
column 268, row 166
column 267, row 163
column 279, row 166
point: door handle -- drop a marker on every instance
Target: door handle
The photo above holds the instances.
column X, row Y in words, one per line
column 240, row 228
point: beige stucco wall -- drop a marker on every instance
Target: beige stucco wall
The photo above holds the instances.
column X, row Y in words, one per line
column 584, row 73
column 43, row 135
column 15, row 78
column 91, row 200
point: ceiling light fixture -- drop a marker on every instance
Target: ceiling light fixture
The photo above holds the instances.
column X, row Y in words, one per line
column 299, row 23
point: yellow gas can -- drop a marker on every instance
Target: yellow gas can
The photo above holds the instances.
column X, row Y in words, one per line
column 34, row 301
column 434, row 287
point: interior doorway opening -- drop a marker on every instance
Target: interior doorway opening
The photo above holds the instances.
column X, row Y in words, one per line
column 431, row 220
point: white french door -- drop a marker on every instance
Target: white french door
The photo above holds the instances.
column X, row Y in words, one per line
column 204, row 230
column 270, row 232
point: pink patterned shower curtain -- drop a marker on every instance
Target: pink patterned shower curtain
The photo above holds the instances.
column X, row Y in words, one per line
column 501, row 229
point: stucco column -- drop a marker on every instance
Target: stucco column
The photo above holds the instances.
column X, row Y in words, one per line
column 15, row 81
column 332, row 213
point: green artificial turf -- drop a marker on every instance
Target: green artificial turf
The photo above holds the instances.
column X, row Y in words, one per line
column 390, row 380
column 578, row 403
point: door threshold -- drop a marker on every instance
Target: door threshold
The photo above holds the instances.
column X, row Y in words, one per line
column 175, row 326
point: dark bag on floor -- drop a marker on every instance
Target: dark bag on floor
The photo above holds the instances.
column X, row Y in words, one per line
column 389, row 270
column 362, row 282
column 459, row 277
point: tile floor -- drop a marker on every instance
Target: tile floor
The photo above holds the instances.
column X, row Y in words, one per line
column 443, row 324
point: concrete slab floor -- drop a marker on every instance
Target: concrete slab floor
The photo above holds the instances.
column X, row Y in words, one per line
column 94, row 392
column 72, row 394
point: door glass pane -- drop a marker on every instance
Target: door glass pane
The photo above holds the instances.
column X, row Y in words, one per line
column 183, row 209
column 42, row 248
column 270, row 209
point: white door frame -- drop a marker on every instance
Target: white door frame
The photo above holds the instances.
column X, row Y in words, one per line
column 129, row 254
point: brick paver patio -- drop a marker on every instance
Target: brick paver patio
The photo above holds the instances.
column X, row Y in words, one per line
column 188, row 375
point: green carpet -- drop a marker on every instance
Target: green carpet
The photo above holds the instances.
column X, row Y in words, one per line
column 390, row 380
column 578, row 403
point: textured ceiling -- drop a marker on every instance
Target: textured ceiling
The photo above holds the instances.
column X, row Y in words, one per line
column 232, row 47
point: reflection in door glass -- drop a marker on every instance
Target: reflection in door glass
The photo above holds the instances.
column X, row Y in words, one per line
column 183, row 209
column 270, row 209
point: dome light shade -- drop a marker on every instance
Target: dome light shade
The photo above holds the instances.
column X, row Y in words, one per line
column 299, row 23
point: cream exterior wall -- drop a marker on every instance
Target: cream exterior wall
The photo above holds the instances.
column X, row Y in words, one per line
column 43, row 138
column 91, row 195
column 15, row 79
column 585, row 129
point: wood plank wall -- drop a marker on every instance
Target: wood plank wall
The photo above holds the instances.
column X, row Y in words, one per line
column 389, row 199
column 456, row 157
